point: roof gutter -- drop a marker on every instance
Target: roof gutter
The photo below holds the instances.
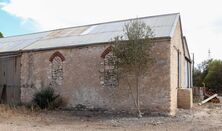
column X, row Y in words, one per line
column 8, row 55
column 156, row 39
column 188, row 59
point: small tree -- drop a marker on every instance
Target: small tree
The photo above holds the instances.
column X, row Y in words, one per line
column 131, row 53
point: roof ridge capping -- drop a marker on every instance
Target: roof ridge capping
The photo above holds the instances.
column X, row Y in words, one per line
column 145, row 17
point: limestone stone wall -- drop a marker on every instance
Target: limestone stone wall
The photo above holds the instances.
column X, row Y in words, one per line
column 80, row 81
column 176, row 46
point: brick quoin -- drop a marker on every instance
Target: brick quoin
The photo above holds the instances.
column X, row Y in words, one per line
column 57, row 54
column 106, row 51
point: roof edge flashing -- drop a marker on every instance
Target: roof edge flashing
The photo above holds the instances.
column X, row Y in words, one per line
column 174, row 25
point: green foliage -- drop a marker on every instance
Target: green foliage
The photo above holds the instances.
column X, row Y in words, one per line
column 132, row 50
column 197, row 78
column 204, row 67
column 1, row 35
column 213, row 78
column 200, row 73
column 47, row 99
column 210, row 73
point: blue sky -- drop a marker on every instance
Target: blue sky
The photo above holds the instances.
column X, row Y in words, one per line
column 201, row 19
column 11, row 25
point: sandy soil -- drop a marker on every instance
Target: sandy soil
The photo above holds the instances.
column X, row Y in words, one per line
column 207, row 117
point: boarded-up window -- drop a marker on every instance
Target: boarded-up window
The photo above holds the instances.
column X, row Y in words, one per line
column 57, row 68
column 109, row 72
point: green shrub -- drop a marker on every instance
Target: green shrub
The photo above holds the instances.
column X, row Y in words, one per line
column 47, row 99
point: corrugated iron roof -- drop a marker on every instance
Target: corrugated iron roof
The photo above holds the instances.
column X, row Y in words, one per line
column 162, row 25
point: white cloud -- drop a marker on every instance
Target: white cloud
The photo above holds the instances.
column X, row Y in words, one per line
column 198, row 16
column 2, row 4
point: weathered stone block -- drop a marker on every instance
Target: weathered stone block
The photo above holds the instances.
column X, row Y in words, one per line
column 185, row 98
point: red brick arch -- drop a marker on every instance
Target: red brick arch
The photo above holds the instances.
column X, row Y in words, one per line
column 106, row 51
column 57, row 54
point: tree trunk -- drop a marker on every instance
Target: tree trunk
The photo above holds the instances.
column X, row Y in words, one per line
column 131, row 91
column 138, row 100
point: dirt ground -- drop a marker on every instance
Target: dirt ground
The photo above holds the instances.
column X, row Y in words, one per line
column 206, row 117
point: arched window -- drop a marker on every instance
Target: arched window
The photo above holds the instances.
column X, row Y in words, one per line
column 57, row 68
column 110, row 74
column 106, row 52
column 56, row 54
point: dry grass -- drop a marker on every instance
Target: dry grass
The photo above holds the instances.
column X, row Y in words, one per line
column 207, row 117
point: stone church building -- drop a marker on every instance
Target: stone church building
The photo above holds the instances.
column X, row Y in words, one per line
column 70, row 60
